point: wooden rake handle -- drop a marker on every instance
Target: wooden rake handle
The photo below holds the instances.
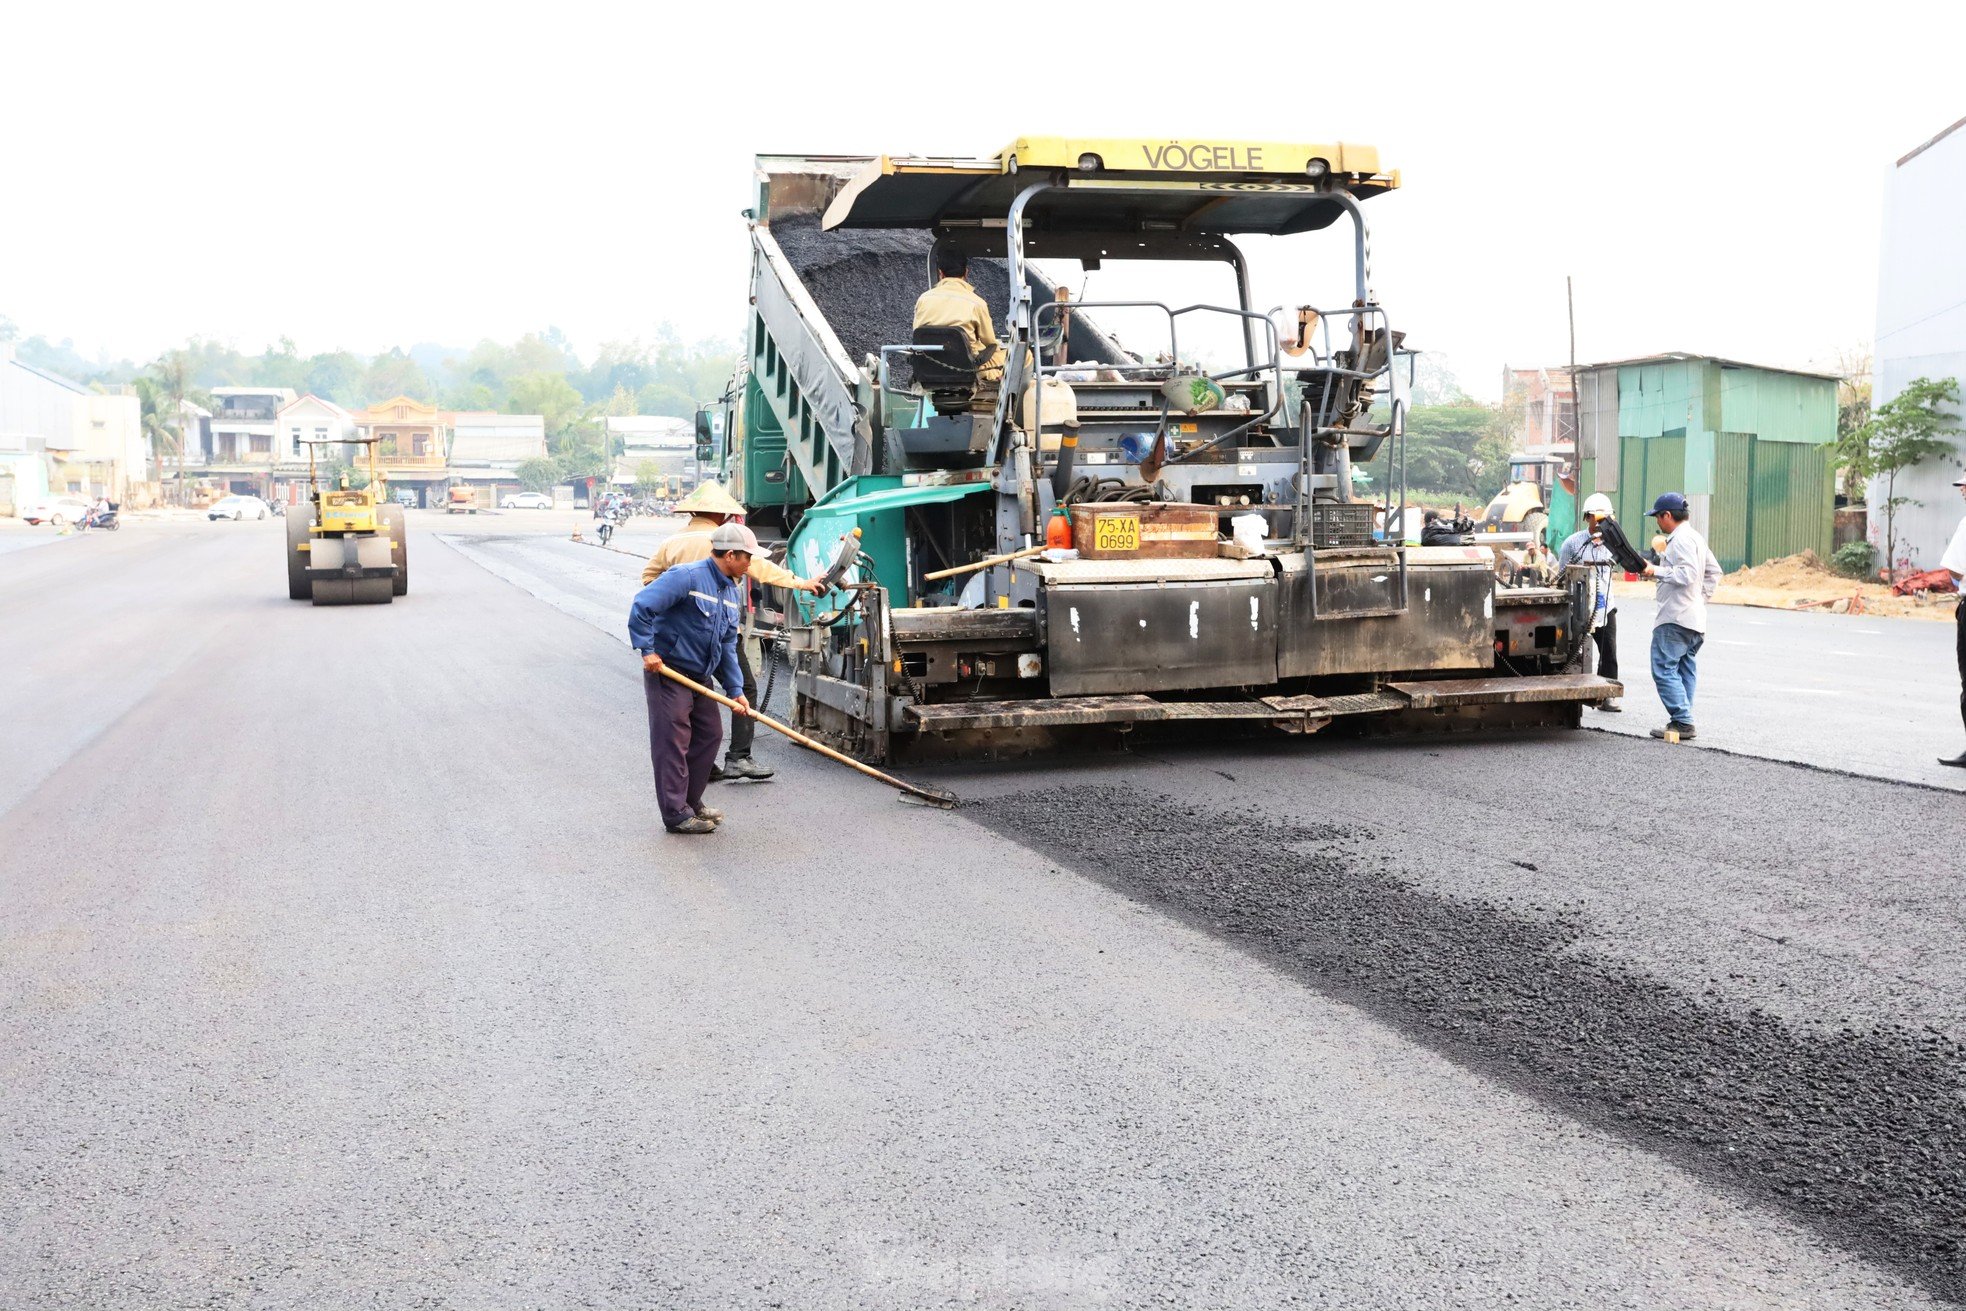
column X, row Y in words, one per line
column 792, row 733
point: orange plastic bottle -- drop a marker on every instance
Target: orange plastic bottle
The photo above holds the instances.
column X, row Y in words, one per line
column 1058, row 530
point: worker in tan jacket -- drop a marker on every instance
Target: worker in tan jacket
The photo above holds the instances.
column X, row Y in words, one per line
column 953, row 303
column 709, row 506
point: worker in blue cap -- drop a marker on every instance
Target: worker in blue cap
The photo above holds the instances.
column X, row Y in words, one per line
column 688, row 620
column 1687, row 575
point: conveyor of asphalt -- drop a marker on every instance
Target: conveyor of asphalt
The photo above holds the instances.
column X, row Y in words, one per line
column 500, row 1042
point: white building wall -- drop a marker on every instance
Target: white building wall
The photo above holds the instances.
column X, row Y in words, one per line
column 110, row 429
column 32, row 405
column 1921, row 326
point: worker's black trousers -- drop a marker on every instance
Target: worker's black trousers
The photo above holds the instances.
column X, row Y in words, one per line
column 1607, row 648
column 743, row 728
column 1959, row 617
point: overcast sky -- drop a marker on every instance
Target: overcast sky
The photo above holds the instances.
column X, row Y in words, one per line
column 365, row 175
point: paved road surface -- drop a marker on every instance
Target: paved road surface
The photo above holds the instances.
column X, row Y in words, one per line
column 1851, row 692
column 343, row 963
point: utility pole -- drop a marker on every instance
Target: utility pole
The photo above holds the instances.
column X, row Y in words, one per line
column 1576, row 396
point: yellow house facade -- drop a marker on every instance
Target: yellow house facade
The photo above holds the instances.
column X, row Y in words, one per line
column 414, row 445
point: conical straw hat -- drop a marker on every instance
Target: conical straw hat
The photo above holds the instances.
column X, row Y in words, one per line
column 709, row 498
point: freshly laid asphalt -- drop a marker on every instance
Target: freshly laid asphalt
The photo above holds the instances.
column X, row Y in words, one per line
column 343, row 962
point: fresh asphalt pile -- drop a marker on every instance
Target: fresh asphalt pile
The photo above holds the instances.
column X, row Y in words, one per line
column 866, row 282
column 1858, row 1132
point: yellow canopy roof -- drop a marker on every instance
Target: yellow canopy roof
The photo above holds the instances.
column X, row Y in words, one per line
column 1118, row 185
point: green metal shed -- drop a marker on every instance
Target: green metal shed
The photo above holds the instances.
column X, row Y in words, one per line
column 1749, row 446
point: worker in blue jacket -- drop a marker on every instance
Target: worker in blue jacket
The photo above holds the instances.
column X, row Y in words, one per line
column 688, row 619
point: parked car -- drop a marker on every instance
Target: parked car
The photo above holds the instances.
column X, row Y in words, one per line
column 405, row 498
column 57, row 510
column 527, row 501
column 236, row 508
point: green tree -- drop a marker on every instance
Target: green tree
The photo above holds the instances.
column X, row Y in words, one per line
column 665, row 399
column 393, row 374
column 162, row 394
column 1441, row 444
column 336, row 376
column 1853, row 370
column 579, row 461
column 538, row 475
column 1910, row 428
column 280, row 365
column 648, row 475
column 548, row 395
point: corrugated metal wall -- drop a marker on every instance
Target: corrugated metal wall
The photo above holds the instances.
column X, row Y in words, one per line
column 1755, row 442
column 1792, row 501
column 1777, row 407
column 1651, row 465
column 1730, row 508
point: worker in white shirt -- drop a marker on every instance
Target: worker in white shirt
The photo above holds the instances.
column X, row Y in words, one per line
column 1687, row 574
column 1954, row 563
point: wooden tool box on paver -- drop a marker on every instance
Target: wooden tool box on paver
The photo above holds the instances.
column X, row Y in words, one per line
column 1131, row 531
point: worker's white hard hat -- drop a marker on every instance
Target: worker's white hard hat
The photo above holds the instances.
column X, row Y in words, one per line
column 1600, row 504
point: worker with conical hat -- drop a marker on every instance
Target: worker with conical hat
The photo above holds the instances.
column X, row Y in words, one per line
column 710, row 506
column 1586, row 546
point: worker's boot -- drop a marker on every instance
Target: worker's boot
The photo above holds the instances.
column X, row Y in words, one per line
column 1610, row 707
column 1957, row 762
column 1683, row 731
column 710, row 813
column 694, row 824
column 745, row 767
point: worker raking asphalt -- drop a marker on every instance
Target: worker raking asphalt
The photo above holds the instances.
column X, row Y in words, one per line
column 1859, row 1134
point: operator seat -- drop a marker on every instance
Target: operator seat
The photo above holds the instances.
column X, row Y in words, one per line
column 947, row 372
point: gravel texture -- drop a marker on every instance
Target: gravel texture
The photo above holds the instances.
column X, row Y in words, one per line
column 1862, row 1133
column 866, row 282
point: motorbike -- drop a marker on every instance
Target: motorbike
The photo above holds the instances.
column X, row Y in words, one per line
column 104, row 519
column 611, row 518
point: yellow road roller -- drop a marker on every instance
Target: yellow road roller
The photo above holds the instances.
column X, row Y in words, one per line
column 347, row 545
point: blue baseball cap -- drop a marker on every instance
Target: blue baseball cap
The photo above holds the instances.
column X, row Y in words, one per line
column 1668, row 503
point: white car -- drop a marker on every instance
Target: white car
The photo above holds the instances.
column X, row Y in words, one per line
column 527, row 501
column 57, row 510
column 236, row 508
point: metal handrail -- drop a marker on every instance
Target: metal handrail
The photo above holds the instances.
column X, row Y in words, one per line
column 1174, row 360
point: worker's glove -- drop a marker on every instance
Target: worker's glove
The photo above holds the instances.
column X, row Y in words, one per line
column 741, row 703
column 812, row 585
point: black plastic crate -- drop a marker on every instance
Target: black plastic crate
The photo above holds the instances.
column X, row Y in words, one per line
column 1334, row 526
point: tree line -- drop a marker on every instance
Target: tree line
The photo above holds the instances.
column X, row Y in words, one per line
column 540, row 373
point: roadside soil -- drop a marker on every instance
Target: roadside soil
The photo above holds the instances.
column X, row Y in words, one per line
column 1793, row 580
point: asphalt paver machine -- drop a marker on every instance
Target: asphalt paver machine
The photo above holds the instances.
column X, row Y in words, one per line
column 1115, row 537
column 347, row 545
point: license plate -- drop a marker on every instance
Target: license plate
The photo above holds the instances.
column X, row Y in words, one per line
column 1116, row 532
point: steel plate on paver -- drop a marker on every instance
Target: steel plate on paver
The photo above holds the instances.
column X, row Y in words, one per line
column 1491, row 691
column 1041, row 712
column 1074, row 572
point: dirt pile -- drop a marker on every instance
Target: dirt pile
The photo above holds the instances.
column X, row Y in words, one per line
column 1804, row 582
